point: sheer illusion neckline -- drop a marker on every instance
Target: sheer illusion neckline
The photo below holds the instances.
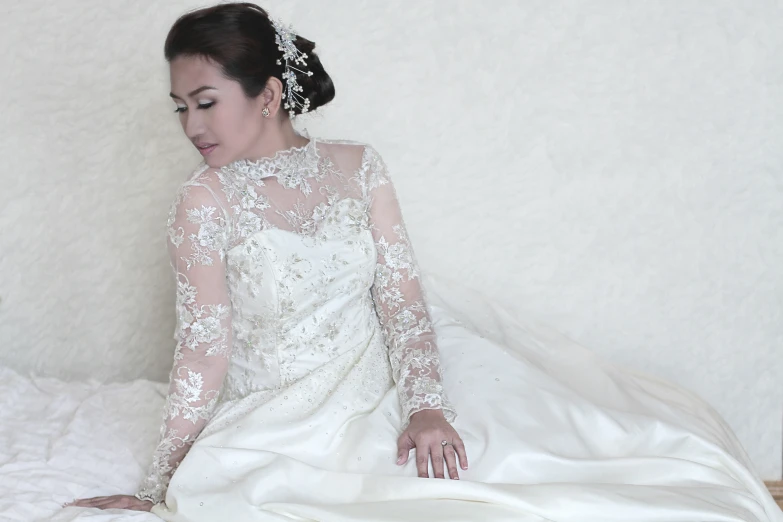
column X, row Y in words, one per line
column 301, row 158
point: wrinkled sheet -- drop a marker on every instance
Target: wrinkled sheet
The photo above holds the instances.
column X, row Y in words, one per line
column 64, row 440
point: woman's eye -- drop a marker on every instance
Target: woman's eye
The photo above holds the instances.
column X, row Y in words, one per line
column 201, row 106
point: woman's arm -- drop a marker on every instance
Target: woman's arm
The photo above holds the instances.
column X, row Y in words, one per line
column 400, row 300
column 197, row 247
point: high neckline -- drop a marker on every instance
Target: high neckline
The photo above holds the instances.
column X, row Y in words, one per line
column 301, row 157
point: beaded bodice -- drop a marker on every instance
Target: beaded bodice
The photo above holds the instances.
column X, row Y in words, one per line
column 282, row 265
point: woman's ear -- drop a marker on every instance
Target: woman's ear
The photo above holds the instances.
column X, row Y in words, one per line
column 272, row 96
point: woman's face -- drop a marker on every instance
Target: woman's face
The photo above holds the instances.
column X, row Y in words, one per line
column 214, row 111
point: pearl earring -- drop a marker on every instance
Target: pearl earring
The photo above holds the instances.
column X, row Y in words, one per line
column 265, row 112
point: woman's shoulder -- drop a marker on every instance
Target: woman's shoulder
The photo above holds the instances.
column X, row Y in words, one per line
column 341, row 142
column 349, row 150
column 204, row 175
column 348, row 143
column 200, row 185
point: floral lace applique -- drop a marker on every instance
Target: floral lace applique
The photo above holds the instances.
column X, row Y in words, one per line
column 197, row 232
column 239, row 304
column 400, row 299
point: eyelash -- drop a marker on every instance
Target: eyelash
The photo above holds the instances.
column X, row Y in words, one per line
column 205, row 106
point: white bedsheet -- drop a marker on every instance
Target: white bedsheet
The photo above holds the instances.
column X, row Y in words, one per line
column 64, row 440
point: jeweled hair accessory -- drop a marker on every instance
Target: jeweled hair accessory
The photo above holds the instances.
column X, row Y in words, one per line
column 292, row 56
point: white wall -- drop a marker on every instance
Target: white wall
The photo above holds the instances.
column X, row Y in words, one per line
column 613, row 168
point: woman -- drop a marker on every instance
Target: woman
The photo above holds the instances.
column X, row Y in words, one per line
column 307, row 365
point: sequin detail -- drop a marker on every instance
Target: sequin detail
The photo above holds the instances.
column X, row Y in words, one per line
column 284, row 267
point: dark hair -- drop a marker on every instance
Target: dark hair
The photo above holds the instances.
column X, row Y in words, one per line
column 240, row 38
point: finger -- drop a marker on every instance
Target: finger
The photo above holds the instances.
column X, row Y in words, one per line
column 437, row 460
column 422, row 459
column 404, row 447
column 463, row 457
column 451, row 461
column 86, row 502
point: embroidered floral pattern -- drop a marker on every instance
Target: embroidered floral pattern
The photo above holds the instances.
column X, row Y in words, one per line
column 254, row 316
column 197, row 235
column 400, row 299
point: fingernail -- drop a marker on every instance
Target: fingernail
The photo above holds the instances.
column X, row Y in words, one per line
column 399, row 460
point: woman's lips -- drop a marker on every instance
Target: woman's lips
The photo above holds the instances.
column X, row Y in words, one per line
column 206, row 150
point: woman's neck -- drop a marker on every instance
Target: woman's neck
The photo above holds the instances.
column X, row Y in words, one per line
column 278, row 139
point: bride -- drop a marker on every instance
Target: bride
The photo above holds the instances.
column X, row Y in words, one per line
column 313, row 379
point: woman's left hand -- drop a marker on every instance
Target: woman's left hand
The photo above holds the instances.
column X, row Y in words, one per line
column 425, row 432
column 113, row 502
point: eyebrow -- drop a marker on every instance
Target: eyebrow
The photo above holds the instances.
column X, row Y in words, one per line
column 193, row 93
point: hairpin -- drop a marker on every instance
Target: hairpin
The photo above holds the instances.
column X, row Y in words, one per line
column 292, row 56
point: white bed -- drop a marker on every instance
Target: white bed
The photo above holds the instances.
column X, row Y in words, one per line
column 60, row 440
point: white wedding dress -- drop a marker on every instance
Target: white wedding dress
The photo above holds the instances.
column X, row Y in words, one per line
column 305, row 341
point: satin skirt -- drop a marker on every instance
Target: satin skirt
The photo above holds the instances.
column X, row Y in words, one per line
column 552, row 433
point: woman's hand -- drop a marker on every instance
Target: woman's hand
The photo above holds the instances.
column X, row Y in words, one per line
column 113, row 502
column 425, row 432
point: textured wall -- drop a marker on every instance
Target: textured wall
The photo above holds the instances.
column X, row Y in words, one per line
column 613, row 168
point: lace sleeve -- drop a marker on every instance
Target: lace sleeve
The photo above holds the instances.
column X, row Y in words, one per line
column 196, row 242
column 400, row 300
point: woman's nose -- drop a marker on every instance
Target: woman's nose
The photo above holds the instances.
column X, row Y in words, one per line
column 193, row 126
